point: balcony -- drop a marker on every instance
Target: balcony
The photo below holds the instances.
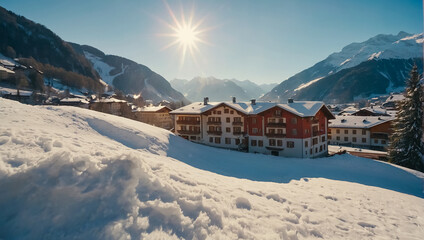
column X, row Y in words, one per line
column 317, row 133
column 315, row 121
column 189, row 121
column 237, row 123
column 383, row 136
column 275, row 135
column 189, row 132
column 238, row 133
column 214, row 132
column 277, row 125
column 214, row 123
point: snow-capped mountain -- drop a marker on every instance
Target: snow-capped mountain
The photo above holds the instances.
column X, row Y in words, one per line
column 402, row 46
column 219, row 89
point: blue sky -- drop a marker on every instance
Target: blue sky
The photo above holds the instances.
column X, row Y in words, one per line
column 263, row 41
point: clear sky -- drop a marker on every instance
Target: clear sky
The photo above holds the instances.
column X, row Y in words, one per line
column 263, row 41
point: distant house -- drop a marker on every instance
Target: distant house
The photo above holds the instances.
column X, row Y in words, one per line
column 295, row 129
column 371, row 111
column 76, row 102
column 348, row 111
column 360, row 131
column 390, row 103
column 155, row 115
column 112, row 106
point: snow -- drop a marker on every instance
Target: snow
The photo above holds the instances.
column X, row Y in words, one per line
column 103, row 68
column 357, row 121
column 300, row 108
column 14, row 91
column 303, row 85
column 71, row 173
column 7, row 61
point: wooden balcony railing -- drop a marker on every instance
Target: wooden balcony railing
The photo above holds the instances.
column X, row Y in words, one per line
column 238, row 123
column 214, row 132
column 275, row 135
column 277, row 125
column 214, row 123
column 189, row 132
column 189, row 122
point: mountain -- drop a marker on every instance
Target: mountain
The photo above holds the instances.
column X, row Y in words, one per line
column 218, row 89
column 129, row 76
column 402, row 46
column 78, row 66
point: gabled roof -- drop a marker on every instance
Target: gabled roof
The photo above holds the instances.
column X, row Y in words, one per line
column 153, row 108
column 357, row 121
column 299, row 108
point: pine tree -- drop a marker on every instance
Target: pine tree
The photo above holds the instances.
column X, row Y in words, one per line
column 406, row 146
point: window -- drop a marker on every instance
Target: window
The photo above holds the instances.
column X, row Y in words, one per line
column 346, row 131
column 364, row 140
column 324, row 146
column 316, row 150
column 252, row 143
column 226, row 110
column 346, row 139
column 323, row 139
column 329, row 137
column 254, row 130
column 294, row 120
column 219, row 112
column 306, row 131
column 192, row 137
column 294, row 131
column 320, row 148
column 338, row 138
column 364, row 132
column 227, row 129
column 236, row 129
column 260, row 143
column 376, row 141
column 354, row 131
column 354, row 139
column 218, row 140
column 210, row 139
column 314, row 141
column 383, row 141
column 271, row 142
column 310, row 151
column 253, row 120
column 214, row 112
column 227, row 119
column 231, row 112
column 237, row 119
column 338, row 131
column 280, row 142
column 306, row 143
column 290, row 144
column 277, row 112
column 237, row 141
column 227, row 140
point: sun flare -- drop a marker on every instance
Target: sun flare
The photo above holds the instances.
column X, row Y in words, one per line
column 186, row 33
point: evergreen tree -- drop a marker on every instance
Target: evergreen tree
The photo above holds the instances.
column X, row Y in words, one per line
column 406, row 146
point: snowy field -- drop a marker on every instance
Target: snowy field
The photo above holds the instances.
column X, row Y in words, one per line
column 70, row 173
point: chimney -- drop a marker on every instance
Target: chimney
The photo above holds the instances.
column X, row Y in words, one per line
column 234, row 99
column 253, row 101
column 205, row 101
column 290, row 100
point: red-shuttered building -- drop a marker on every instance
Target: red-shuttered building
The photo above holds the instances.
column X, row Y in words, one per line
column 295, row 129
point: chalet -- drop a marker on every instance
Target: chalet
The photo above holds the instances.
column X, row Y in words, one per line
column 294, row 129
column 112, row 106
column 155, row 115
column 392, row 100
column 371, row 111
column 360, row 131
column 76, row 102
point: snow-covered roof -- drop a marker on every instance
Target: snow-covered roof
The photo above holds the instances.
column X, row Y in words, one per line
column 376, row 110
column 109, row 100
column 151, row 108
column 74, row 100
column 395, row 98
column 12, row 91
column 357, row 121
column 349, row 110
column 299, row 108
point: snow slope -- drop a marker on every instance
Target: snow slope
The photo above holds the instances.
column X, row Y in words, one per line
column 68, row 173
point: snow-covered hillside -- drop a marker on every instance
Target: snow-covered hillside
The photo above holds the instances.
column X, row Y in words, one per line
column 70, row 173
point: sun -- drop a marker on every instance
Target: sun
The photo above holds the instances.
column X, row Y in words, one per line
column 186, row 33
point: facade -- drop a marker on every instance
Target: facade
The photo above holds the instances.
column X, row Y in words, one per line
column 112, row 106
column 295, row 129
column 358, row 131
column 156, row 116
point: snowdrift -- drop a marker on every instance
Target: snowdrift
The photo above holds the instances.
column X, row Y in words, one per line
column 69, row 173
